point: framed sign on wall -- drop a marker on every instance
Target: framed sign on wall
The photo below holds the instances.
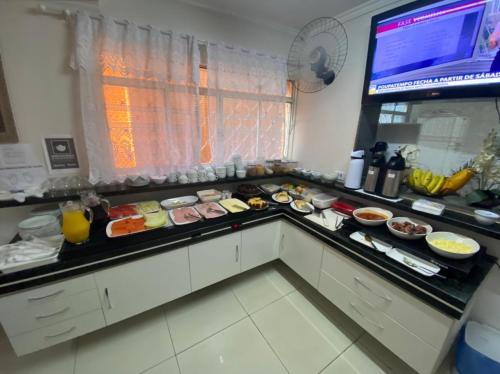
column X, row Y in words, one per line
column 8, row 133
column 60, row 153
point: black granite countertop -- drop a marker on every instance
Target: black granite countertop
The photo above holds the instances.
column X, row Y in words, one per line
column 450, row 295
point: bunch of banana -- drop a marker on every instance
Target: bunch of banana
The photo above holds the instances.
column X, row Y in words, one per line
column 424, row 182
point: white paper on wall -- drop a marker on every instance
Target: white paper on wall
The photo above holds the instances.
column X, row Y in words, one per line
column 20, row 169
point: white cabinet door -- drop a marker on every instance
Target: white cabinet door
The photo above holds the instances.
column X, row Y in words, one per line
column 301, row 252
column 214, row 260
column 259, row 245
column 135, row 287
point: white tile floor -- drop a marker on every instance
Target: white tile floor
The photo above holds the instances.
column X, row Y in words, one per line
column 266, row 321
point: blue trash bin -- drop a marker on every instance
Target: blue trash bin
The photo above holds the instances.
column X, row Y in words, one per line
column 478, row 350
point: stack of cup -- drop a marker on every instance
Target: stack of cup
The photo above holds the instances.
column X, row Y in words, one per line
column 230, row 169
column 221, row 172
column 202, row 175
column 172, row 177
column 238, row 162
column 192, row 175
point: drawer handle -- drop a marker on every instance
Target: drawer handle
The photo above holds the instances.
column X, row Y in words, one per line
column 61, row 333
column 384, row 297
column 365, row 318
column 36, row 298
column 64, row 310
column 237, row 252
column 108, row 298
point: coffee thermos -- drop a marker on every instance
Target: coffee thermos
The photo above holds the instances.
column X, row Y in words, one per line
column 394, row 175
column 355, row 171
column 376, row 171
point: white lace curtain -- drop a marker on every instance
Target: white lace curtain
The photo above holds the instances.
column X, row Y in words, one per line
column 139, row 98
column 247, row 108
column 145, row 111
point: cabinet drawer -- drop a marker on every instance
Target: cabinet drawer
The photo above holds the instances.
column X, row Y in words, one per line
column 424, row 321
column 410, row 348
column 58, row 333
column 46, row 294
column 36, row 315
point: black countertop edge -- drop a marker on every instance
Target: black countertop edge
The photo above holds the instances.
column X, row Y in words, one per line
column 431, row 290
column 123, row 189
column 449, row 216
column 435, row 292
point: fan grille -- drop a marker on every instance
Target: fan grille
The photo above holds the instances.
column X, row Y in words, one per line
column 325, row 30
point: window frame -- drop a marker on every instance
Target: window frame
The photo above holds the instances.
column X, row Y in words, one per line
column 394, row 112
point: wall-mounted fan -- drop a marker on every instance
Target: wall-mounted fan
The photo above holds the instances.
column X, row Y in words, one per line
column 317, row 54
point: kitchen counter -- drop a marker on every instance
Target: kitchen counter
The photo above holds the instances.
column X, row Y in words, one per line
column 451, row 295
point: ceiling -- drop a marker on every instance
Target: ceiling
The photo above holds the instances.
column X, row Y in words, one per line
column 292, row 14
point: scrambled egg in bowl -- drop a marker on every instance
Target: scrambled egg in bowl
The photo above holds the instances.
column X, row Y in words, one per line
column 448, row 244
column 451, row 246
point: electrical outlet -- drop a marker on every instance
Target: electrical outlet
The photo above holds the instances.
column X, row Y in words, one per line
column 340, row 175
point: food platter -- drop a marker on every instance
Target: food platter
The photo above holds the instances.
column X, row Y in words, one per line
column 279, row 197
column 179, row 202
column 306, row 208
column 135, row 225
column 234, row 205
column 210, row 210
column 184, row 215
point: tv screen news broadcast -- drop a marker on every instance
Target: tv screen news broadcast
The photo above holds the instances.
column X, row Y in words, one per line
column 421, row 51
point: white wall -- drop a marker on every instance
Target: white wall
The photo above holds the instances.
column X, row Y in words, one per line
column 43, row 89
column 327, row 122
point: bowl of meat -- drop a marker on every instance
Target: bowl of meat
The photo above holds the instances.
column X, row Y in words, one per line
column 408, row 228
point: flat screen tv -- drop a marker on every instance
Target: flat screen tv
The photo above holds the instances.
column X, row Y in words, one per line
column 434, row 49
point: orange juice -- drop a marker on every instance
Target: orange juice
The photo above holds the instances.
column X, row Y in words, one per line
column 76, row 227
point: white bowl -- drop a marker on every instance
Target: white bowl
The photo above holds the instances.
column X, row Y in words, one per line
column 39, row 227
column 451, row 236
column 158, row 179
column 135, row 181
column 329, row 178
column 241, row 173
column 370, row 222
column 315, row 175
column 485, row 217
column 404, row 235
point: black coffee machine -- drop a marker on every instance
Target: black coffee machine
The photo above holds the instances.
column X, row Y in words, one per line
column 375, row 176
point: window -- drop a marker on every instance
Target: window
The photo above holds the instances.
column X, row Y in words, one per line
column 248, row 121
column 393, row 113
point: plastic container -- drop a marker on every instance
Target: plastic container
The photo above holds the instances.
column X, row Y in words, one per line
column 431, row 207
column 477, row 350
column 207, row 196
column 323, row 200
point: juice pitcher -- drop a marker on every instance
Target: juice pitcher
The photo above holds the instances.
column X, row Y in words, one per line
column 76, row 227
